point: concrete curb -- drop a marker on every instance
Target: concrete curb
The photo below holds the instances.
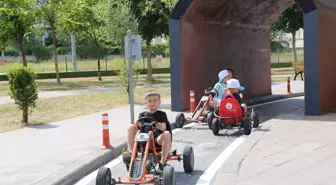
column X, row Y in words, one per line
column 85, row 169
column 103, row 159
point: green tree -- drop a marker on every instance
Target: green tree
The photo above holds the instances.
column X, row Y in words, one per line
column 50, row 9
column 153, row 19
column 85, row 16
column 290, row 21
column 17, row 19
column 23, row 89
column 119, row 20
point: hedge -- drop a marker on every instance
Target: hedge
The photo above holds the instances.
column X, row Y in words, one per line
column 113, row 72
column 88, row 74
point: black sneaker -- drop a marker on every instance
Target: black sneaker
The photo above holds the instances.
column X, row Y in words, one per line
column 126, row 156
column 161, row 167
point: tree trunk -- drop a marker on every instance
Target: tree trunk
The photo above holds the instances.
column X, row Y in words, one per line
column 54, row 52
column 25, row 116
column 22, row 52
column 149, row 60
column 99, row 73
column 294, row 46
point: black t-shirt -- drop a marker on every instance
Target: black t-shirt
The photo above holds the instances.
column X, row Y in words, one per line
column 160, row 116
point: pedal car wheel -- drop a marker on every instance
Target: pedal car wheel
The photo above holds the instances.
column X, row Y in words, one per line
column 104, row 176
column 180, row 120
column 188, row 159
column 215, row 126
column 210, row 117
column 247, row 126
column 168, row 176
column 149, row 166
column 255, row 120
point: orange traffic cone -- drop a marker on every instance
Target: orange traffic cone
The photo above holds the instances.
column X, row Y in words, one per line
column 106, row 132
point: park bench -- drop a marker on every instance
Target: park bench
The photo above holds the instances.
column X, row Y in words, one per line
column 298, row 67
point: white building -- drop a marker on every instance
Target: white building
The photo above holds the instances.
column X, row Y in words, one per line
column 287, row 37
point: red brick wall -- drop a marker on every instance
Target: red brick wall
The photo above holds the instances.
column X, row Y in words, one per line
column 327, row 59
column 208, row 48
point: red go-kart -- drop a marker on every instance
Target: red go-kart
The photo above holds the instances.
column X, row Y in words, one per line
column 230, row 114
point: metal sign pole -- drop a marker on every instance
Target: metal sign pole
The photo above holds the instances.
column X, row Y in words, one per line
column 130, row 75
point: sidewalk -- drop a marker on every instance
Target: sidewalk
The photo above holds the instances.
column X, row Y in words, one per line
column 288, row 150
column 64, row 151
column 278, row 88
column 46, row 153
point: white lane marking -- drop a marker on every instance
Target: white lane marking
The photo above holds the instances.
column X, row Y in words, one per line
column 87, row 179
column 214, row 167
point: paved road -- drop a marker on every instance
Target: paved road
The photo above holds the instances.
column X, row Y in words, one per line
column 206, row 146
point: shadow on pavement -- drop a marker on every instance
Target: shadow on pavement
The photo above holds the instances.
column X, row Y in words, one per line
column 188, row 179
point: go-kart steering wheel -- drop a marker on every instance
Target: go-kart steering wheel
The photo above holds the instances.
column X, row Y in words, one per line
column 147, row 124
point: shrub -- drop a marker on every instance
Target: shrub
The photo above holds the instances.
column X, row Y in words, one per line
column 42, row 53
column 23, row 89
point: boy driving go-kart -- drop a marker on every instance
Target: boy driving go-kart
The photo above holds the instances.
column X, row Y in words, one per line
column 162, row 135
column 149, row 142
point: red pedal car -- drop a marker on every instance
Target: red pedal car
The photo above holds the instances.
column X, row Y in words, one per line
column 229, row 115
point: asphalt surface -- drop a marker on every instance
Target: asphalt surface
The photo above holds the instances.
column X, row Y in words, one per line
column 208, row 147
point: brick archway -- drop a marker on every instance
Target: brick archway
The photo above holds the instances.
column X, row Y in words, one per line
column 207, row 36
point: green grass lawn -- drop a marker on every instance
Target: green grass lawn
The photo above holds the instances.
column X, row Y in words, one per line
column 82, row 65
column 60, row 108
column 87, row 83
column 91, row 65
column 285, row 56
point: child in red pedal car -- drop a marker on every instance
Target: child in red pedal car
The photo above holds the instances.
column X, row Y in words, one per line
column 233, row 86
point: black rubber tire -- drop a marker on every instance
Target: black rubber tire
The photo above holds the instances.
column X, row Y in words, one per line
column 104, row 176
column 247, row 126
column 180, row 120
column 168, row 177
column 188, row 159
column 210, row 117
column 149, row 166
column 215, row 126
column 255, row 120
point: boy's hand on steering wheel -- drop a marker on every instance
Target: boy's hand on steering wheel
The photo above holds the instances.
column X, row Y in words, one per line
column 160, row 126
column 137, row 123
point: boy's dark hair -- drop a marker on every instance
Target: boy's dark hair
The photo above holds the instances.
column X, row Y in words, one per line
column 231, row 70
column 152, row 93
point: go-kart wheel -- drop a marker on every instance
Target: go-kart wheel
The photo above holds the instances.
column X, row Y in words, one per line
column 210, row 117
column 188, row 159
column 180, row 120
column 247, row 126
column 255, row 119
column 149, row 166
column 215, row 126
column 104, row 176
column 168, row 177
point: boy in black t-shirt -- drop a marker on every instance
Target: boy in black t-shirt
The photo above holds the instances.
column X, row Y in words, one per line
column 163, row 136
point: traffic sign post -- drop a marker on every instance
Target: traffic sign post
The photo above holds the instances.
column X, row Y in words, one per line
column 132, row 52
